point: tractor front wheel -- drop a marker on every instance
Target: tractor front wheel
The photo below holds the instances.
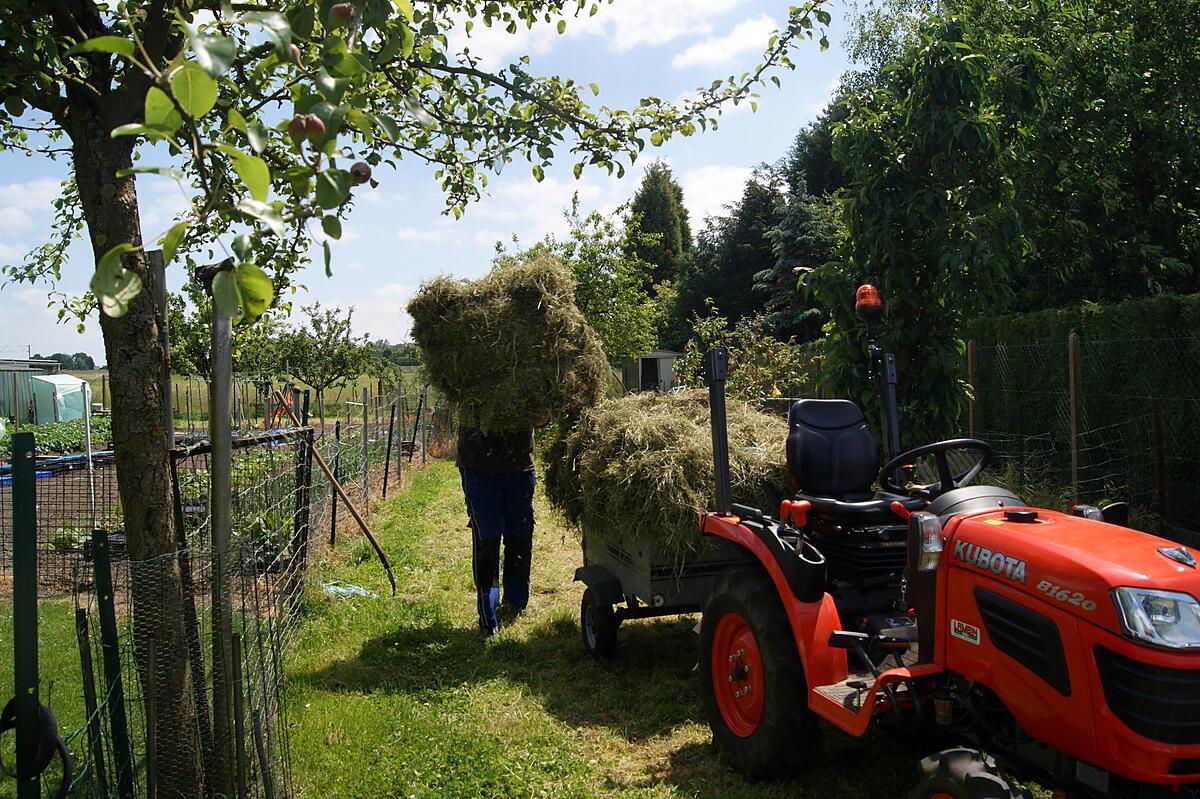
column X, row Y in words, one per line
column 751, row 679
column 598, row 625
column 963, row 774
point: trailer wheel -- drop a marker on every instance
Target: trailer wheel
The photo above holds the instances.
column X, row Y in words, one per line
column 598, row 625
column 751, row 679
column 963, row 774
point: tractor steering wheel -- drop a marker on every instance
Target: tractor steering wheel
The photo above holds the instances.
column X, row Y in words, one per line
column 947, row 480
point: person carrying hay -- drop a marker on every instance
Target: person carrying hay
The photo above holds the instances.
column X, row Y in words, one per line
column 498, row 481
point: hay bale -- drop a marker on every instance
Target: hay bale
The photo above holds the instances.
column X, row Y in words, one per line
column 639, row 468
column 509, row 346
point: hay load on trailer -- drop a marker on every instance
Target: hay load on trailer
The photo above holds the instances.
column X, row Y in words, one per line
column 506, row 348
column 639, row 469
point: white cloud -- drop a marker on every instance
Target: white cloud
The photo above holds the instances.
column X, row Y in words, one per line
column 708, row 189
column 21, row 202
column 435, row 233
column 625, row 25
column 532, row 209
column 382, row 314
column 14, row 219
column 12, row 253
column 748, row 36
column 30, row 321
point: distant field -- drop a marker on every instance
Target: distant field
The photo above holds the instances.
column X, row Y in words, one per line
column 192, row 393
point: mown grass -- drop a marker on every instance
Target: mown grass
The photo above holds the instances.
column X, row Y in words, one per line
column 398, row 697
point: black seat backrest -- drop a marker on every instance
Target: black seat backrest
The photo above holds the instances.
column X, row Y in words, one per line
column 830, row 450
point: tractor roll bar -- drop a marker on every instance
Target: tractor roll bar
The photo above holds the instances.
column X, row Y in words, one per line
column 716, row 370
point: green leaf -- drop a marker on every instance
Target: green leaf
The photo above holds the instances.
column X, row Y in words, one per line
column 277, row 27
column 595, row 88
column 235, row 120
column 104, row 44
column 656, row 138
column 243, row 246
column 225, row 294
column 389, row 126
column 255, row 289
column 132, row 129
column 331, row 88
column 338, row 60
column 263, row 213
column 170, row 241
column 161, row 114
column 539, row 174
column 332, row 226
column 578, row 171
column 165, row 171
column 194, row 89
column 256, row 134
column 405, row 8
column 114, row 285
column 823, row 16
column 328, row 259
column 251, row 169
column 562, row 26
column 214, row 52
column 333, row 186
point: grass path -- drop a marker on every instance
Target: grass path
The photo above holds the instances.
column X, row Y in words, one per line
column 399, row 698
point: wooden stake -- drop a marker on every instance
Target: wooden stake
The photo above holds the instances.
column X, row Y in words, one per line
column 341, row 492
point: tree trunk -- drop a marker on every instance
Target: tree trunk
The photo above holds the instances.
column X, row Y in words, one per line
column 135, row 362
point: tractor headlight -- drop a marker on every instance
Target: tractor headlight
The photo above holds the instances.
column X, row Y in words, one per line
column 924, row 541
column 1162, row 618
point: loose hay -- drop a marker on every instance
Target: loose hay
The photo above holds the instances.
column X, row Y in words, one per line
column 511, row 345
column 639, row 468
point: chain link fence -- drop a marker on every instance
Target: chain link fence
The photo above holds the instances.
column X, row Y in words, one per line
column 150, row 697
column 1096, row 420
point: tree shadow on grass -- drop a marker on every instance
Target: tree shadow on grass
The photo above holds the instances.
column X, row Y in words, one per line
column 647, row 690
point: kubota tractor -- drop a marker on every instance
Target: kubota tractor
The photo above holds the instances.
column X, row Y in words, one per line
column 1061, row 648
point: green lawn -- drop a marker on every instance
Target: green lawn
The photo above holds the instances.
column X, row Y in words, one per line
column 397, row 697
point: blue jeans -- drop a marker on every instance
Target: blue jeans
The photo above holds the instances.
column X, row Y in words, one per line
column 500, row 509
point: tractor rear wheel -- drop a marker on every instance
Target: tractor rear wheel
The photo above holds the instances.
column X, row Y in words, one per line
column 963, row 774
column 598, row 625
column 751, row 679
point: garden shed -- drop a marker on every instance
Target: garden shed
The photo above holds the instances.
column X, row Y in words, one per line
column 58, row 398
column 654, row 371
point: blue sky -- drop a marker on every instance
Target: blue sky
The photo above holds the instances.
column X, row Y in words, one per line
column 397, row 236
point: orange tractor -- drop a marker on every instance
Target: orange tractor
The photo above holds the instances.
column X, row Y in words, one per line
column 1060, row 648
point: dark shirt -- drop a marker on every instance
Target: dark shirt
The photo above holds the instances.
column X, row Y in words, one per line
column 495, row 452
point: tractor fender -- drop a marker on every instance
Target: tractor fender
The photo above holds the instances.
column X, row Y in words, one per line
column 812, row 623
column 604, row 584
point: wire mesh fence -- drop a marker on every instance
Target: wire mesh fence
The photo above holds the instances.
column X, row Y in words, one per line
column 1097, row 420
column 151, row 698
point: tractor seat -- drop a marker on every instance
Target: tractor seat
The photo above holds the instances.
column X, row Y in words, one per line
column 834, row 459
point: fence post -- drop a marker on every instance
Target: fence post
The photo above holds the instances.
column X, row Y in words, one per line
column 366, row 444
column 1075, row 378
column 387, row 453
column 110, row 648
column 150, row 692
column 239, row 719
column 973, row 379
column 188, row 399
column 220, row 434
column 337, row 462
column 25, row 619
column 88, row 672
column 104, row 391
column 1160, row 466
column 400, row 454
